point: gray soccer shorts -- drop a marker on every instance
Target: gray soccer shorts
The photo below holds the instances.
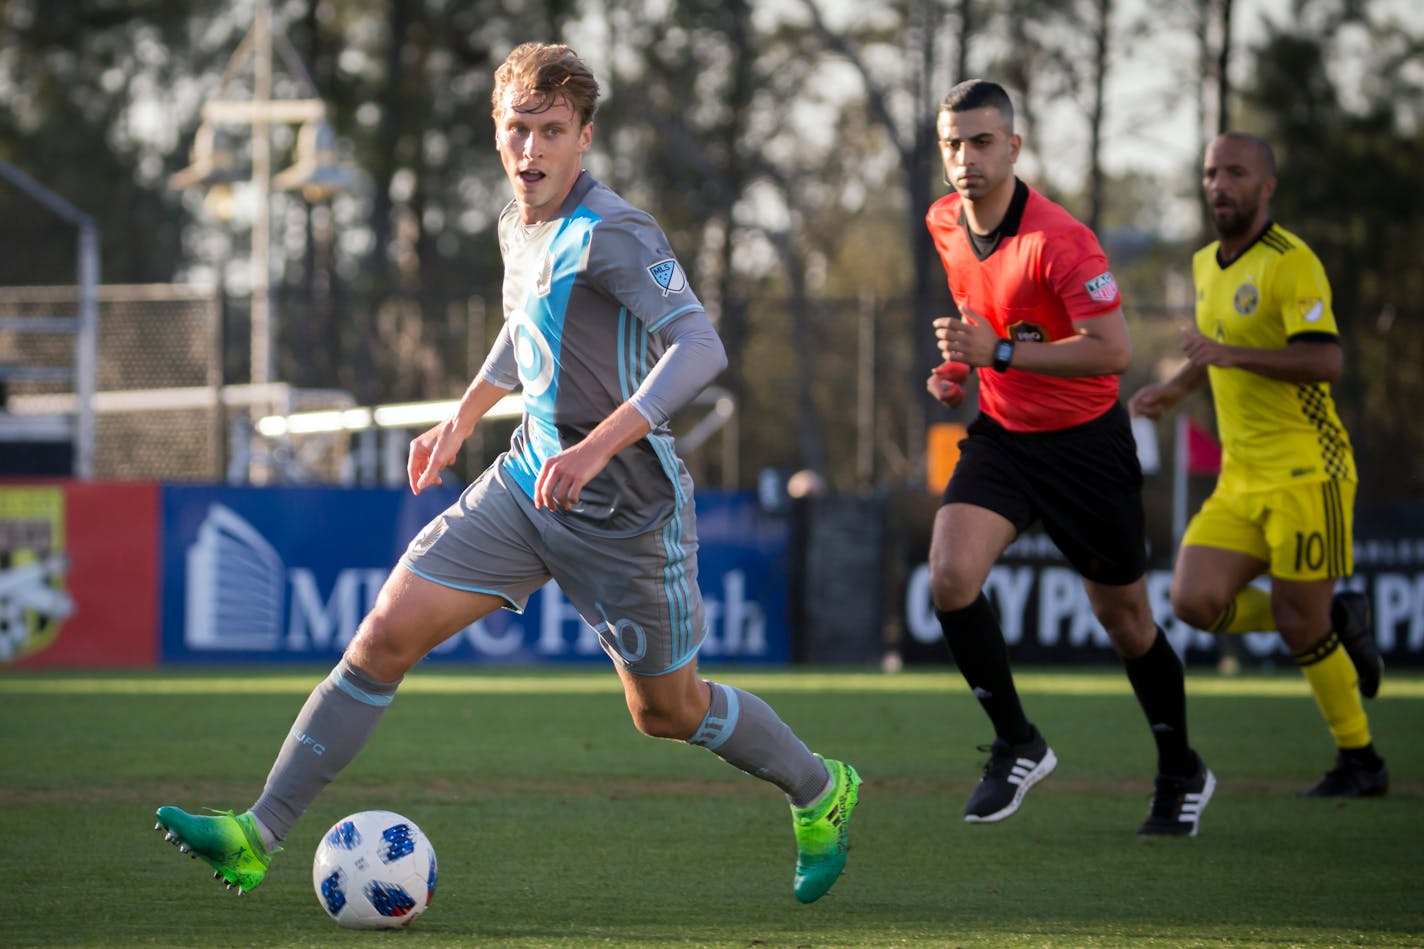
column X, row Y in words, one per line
column 639, row 593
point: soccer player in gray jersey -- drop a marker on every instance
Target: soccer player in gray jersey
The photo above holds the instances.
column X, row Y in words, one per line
column 607, row 341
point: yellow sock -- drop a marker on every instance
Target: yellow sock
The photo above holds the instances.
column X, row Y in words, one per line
column 1248, row 612
column 1335, row 685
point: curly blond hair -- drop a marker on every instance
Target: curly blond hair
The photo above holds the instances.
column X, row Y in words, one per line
column 548, row 72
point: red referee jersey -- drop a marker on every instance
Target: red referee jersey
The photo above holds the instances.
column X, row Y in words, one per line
column 1047, row 271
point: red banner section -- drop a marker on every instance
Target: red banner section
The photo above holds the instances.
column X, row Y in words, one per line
column 1203, row 450
column 78, row 574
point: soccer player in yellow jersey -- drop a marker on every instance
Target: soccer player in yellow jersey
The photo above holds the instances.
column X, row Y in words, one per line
column 1266, row 340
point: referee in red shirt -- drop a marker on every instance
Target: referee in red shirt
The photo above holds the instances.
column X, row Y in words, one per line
column 1041, row 318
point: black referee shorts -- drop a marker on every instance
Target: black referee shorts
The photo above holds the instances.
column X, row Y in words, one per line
column 1083, row 484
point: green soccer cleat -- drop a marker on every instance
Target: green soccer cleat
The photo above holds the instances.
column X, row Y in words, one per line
column 821, row 832
column 229, row 843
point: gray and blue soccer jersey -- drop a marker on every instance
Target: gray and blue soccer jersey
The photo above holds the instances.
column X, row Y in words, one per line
column 598, row 312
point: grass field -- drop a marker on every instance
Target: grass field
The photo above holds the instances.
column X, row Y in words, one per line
column 556, row 824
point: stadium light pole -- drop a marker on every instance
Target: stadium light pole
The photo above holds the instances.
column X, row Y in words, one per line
column 214, row 168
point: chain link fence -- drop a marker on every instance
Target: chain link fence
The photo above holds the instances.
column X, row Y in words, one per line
column 159, row 411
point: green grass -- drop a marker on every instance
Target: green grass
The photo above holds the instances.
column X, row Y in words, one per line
column 556, row 824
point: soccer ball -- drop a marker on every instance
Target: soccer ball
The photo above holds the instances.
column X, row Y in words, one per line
column 374, row 870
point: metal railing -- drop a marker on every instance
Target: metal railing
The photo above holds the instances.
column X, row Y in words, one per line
column 81, row 369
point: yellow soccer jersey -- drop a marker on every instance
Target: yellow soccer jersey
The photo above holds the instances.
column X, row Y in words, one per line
column 1273, row 433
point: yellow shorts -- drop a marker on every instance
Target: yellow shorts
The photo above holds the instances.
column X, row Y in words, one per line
column 1304, row 531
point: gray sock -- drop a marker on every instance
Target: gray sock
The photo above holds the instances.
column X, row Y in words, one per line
column 743, row 731
column 329, row 732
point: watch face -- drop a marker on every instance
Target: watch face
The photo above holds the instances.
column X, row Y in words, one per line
column 1003, row 352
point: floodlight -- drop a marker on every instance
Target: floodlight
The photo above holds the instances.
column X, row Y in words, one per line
column 214, row 161
column 317, row 172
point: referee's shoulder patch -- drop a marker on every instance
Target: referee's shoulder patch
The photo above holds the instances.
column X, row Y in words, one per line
column 1102, row 288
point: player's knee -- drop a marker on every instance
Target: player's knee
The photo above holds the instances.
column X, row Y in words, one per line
column 380, row 651
column 1300, row 628
column 662, row 723
column 1198, row 611
column 1195, row 604
column 1132, row 631
column 951, row 588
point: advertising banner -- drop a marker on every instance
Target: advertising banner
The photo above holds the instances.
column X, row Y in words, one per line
column 78, row 574
column 1045, row 615
column 285, row 575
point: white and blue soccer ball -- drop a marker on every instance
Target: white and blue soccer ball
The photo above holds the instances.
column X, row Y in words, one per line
column 374, row 870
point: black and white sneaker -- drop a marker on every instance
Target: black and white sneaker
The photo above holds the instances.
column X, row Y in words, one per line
column 1352, row 778
column 1178, row 802
column 1010, row 772
column 1350, row 618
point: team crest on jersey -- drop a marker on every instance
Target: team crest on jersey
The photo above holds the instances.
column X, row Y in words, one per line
column 669, row 276
column 1311, row 310
column 546, row 277
column 1102, row 288
column 1247, row 299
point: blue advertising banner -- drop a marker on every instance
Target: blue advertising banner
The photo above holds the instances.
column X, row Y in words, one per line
column 286, row 574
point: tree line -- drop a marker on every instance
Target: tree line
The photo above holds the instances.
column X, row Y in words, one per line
column 787, row 149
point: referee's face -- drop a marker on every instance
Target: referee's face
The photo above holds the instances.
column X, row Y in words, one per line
column 979, row 149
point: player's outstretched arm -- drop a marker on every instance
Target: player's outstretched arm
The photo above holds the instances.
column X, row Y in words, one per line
column 1155, row 400
column 434, row 450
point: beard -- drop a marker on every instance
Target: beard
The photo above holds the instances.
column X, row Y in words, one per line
column 1233, row 220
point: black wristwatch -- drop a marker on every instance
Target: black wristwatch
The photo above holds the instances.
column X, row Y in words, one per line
column 1003, row 354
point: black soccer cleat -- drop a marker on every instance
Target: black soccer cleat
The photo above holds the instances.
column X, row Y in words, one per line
column 1178, row 802
column 1351, row 778
column 1350, row 618
column 1009, row 773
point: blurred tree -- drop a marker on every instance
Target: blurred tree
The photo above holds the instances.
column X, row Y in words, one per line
column 903, row 101
column 1055, row 53
column 409, row 83
column 79, row 82
column 753, row 155
column 1333, row 93
column 678, row 129
column 787, row 149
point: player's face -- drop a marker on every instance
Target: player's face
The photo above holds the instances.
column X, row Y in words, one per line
column 978, row 149
column 542, row 149
column 1237, row 187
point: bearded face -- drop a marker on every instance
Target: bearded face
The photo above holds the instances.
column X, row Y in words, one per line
column 1237, row 182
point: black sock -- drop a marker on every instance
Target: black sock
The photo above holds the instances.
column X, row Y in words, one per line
column 977, row 644
column 1365, row 757
column 1160, row 685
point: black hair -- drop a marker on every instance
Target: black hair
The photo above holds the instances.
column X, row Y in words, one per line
column 978, row 94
